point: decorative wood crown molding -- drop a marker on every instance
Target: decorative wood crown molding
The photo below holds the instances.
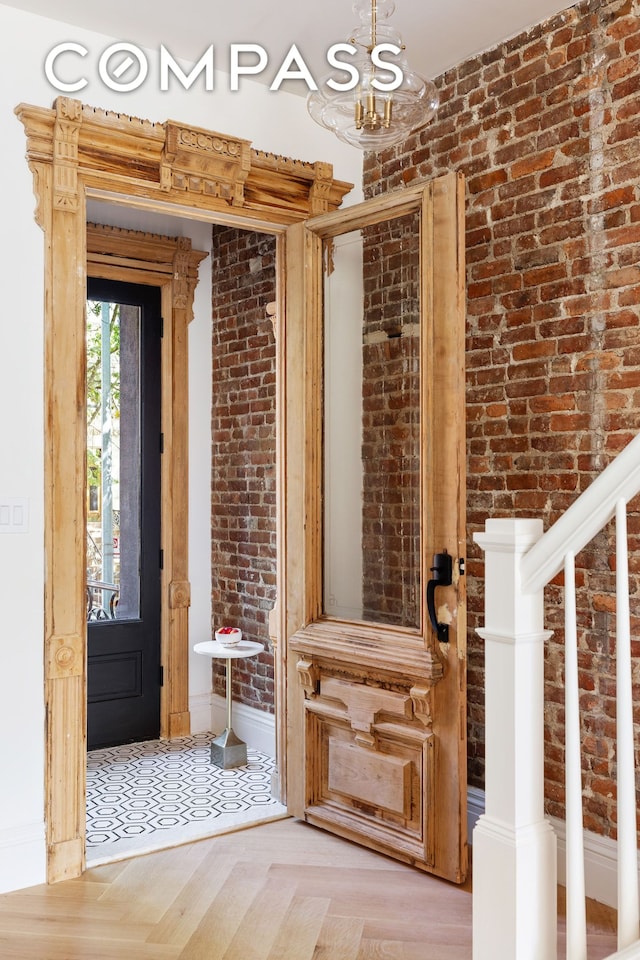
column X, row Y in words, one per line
column 173, row 257
column 172, row 162
column 138, row 248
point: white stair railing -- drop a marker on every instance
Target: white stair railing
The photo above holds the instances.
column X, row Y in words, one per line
column 628, row 907
column 514, row 847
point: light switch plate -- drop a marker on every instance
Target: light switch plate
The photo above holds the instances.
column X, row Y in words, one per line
column 14, row 515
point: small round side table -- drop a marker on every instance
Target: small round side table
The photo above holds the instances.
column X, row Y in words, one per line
column 228, row 750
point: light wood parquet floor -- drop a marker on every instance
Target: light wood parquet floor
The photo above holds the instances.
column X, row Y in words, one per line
column 280, row 891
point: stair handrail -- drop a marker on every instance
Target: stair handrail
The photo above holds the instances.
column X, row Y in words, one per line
column 514, row 846
column 584, row 519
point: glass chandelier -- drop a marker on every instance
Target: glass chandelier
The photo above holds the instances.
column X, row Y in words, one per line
column 370, row 114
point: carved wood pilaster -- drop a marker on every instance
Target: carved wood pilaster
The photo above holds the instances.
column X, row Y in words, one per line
column 65, row 153
column 62, row 216
column 184, row 273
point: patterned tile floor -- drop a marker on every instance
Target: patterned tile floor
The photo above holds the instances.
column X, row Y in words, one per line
column 146, row 796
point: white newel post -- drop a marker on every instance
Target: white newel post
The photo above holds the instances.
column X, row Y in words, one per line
column 514, row 846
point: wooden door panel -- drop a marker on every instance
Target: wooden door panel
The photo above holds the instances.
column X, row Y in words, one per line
column 376, row 747
column 369, row 772
column 369, row 776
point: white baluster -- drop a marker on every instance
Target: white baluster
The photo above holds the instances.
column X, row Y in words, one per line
column 576, row 910
column 628, row 921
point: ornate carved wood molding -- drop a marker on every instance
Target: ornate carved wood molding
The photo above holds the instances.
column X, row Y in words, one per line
column 66, row 136
column 172, row 257
column 179, row 594
column 272, row 314
column 65, row 657
column 308, row 675
column 364, row 704
column 75, row 151
column 173, row 162
column 339, row 642
column 422, row 703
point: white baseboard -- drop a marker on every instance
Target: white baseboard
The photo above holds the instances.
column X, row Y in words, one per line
column 600, row 864
column 600, row 854
column 23, row 857
column 256, row 727
column 475, row 809
column 200, row 707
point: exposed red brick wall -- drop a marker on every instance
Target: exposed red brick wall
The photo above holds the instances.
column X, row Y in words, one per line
column 546, row 130
column 391, row 423
column 243, row 512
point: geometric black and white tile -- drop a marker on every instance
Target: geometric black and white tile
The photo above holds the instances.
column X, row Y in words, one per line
column 146, row 796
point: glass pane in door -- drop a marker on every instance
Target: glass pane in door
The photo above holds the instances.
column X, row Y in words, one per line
column 113, row 461
column 372, row 487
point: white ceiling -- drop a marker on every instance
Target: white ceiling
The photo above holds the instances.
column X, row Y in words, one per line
column 437, row 35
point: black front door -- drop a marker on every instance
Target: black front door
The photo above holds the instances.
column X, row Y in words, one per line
column 123, row 512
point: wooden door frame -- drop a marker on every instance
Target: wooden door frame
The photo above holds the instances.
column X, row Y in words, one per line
column 77, row 152
column 170, row 264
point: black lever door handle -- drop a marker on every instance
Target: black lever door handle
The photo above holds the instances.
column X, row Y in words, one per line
column 442, row 571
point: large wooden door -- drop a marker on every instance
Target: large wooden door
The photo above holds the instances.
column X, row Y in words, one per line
column 374, row 488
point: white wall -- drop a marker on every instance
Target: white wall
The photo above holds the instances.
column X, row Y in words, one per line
column 275, row 122
column 343, row 473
